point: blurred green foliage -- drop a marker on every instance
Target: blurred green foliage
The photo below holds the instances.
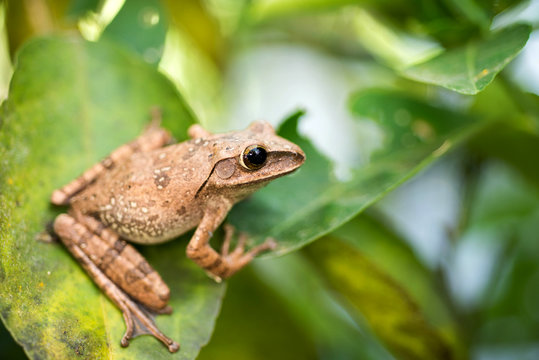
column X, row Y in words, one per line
column 374, row 91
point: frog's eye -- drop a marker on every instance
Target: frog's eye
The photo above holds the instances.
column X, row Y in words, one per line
column 253, row 157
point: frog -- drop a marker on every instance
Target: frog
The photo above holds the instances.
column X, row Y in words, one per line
column 153, row 190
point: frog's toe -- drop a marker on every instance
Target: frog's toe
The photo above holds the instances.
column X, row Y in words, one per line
column 270, row 243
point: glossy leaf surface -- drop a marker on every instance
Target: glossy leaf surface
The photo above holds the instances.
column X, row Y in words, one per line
column 70, row 103
column 469, row 69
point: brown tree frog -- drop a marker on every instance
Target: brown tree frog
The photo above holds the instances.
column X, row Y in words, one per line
column 149, row 191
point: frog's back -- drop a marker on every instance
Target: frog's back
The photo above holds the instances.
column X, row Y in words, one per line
column 150, row 197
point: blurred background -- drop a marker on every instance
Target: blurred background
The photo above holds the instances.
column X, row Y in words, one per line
column 443, row 266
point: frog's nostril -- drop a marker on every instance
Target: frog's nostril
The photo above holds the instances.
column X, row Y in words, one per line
column 299, row 157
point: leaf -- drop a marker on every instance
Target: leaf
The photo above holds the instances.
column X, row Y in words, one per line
column 193, row 58
column 472, row 11
column 199, row 22
column 396, row 48
column 250, row 306
column 500, row 244
column 24, row 21
column 197, row 77
column 469, row 69
column 268, row 9
column 512, row 145
column 393, row 256
column 386, row 306
column 313, row 304
column 140, row 25
column 79, row 8
column 300, row 208
column 70, row 103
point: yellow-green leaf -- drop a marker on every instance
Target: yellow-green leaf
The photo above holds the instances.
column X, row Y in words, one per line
column 70, row 103
column 387, row 307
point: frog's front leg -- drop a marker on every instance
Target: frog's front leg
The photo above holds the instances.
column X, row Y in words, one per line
column 84, row 245
column 220, row 266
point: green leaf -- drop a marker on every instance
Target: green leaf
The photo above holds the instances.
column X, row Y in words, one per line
column 396, row 48
column 472, row 11
column 386, row 306
column 140, row 25
column 70, row 103
column 502, row 228
column 393, row 256
column 502, row 199
column 313, row 304
column 469, row 69
column 268, row 9
column 512, row 145
column 252, row 321
column 79, row 8
column 197, row 77
column 301, row 207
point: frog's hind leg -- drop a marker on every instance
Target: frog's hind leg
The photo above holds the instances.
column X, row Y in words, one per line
column 153, row 137
column 93, row 253
column 125, row 266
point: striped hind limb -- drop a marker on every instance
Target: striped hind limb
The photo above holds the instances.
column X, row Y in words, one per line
column 132, row 265
column 114, row 274
column 154, row 137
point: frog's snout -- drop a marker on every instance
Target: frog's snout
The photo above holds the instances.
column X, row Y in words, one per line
column 293, row 158
column 296, row 153
column 298, row 157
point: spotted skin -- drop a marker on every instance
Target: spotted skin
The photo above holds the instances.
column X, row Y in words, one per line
column 146, row 192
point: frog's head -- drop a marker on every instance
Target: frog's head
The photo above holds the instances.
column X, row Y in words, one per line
column 249, row 159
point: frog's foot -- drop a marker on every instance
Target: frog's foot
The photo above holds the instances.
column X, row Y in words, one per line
column 79, row 240
column 238, row 258
column 139, row 322
column 223, row 265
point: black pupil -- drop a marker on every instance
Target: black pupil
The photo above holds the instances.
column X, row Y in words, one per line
column 256, row 156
